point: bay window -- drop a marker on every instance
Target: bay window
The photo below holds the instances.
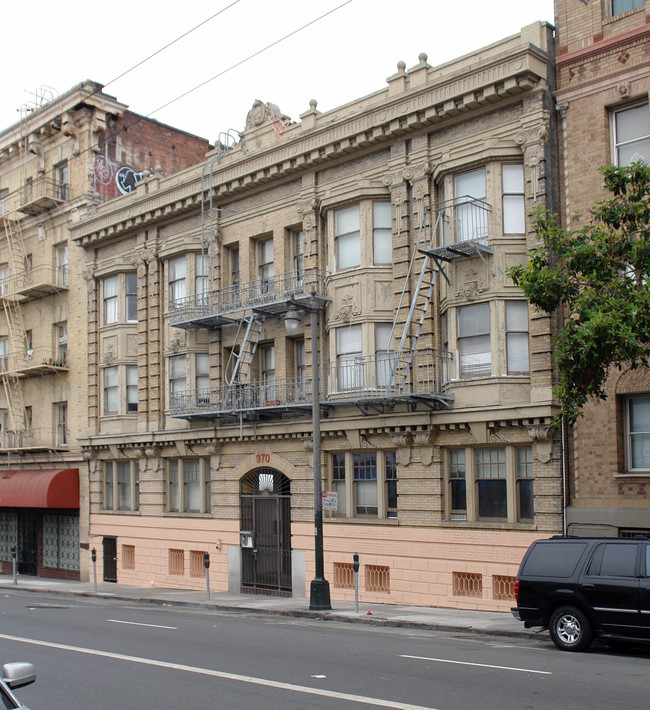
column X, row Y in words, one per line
column 514, row 209
column 177, row 280
column 474, row 348
column 347, row 237
column 471, row 208
column 517, row 336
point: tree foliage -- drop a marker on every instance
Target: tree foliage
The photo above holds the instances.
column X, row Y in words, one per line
column 598, row 276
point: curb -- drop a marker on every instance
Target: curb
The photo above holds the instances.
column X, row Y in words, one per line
column 344, row 617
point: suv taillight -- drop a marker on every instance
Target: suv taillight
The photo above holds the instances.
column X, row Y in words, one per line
column 517, row 590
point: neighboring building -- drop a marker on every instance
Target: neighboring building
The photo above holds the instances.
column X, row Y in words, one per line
column 603, row 74
column 64, row 156
column 395, row 217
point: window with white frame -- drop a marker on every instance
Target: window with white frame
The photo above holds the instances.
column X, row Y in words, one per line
column 631, row 134
column 201, row 281
column 110, row 300
column 4, row 279
column 177, row 279
column 202, row 377
column 61, row 343
column 61, row 415
column 121, row 485
column 131, row 389
column 188, row 485
column 301, row 372
column 347, row 236
column 62, row 265
column 265, row 265
column 514, row 208
column 474, row 348
column 365, row 483
column 111, row 388
column 471, row 207
column 267, row 371
column 131, row 297
column 298, row 254
column 517, row 337
column 638, row 433
column 383, row 353
column 62, row 178
column 349, row 358
column 620, row 6
column 177, row 374
column 490, row 483
column 234, row 266
column 4, row 353
column 382, row 233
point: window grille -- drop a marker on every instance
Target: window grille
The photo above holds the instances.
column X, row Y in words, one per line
column 176, row 562
column 377, row 578
column 128, row 556
column 196, row 563
column 467, row 584
column 343, row 575
column 503, row 587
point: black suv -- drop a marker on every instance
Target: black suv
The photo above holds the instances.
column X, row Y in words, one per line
column 579, row 588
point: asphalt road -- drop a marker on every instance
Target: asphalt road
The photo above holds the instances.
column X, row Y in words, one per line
column 103, row 654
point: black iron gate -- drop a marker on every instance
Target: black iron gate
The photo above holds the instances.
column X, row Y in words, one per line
column 266, row 512
column 27, row 542
column 109, row 550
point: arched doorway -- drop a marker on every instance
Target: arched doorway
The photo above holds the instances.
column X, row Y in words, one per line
column 266, row 511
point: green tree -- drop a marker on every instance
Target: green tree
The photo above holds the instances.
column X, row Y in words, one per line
column 598, row 277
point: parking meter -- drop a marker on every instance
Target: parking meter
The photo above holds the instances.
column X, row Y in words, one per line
column 355, row 562
column 206, row 560
column 206, row 564
column 93, row 557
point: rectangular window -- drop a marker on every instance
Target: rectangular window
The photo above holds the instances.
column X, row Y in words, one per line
column 234, row 267
column 301, row 372
column 349, row 361
column 517, row 336
column 471, row 208
column 177, row 374
column 390, row 480
column 4, row 354
column 267, row 366
column 110, row 300
column 202, row 377
column 4, row 279
column 61, row 424
column 4, row 201
column 638, row 433
column 619, row 6
column 525, row 482
column 298, row 248
column 61, row 344
column 474, row 346
column 265, row 262
column 62, row 178
column 187, row 485
column 131, row 298
column 347, row 236
column 365, row 483
column 458, row 484
column 338, row 482
column 382, row 234
column 110, row 390
column 131, row 388
column 383, row 352
column 514, row 210
column 201, row 282
column 177, row 282
column 121, row 485
column 491, row 483
column 631, row 128
column 62, row 265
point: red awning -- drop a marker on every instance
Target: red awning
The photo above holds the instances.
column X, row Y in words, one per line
column 48, row 488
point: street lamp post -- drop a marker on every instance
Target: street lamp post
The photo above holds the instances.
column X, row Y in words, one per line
column 319, row 594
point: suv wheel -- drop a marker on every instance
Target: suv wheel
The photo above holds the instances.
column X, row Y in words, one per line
column 570, row 629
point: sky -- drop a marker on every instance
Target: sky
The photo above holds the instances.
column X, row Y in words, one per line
column 345, row 55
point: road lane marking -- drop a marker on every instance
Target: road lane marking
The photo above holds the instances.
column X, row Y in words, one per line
column 479, row 665
column 136, row 623
column 221, row 674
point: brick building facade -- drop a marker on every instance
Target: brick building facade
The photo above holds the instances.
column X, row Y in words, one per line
column 66, row 155
column 603, row 77
column 394, row 218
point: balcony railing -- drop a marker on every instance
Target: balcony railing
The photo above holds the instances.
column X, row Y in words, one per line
column 461, row 220
column 218, row 307
column 363, row 382
column 34, row 361
column 32, row 439
column 41, row 194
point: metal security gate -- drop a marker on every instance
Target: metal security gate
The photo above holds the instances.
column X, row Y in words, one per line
column 28, row 524
column 109, row 551
column 266, row 512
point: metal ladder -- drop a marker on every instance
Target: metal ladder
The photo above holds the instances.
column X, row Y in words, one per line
column 243, row 356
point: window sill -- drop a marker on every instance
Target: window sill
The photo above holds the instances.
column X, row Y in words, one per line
column 493, row 525
column 119, row 512
column 614, row 18
column 182, row 514
column 632, row 475
column 340, row 520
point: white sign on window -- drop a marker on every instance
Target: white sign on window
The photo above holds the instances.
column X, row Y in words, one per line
column 330, row 500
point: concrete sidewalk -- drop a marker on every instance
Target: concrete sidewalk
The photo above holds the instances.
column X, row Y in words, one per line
column 483, row 622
